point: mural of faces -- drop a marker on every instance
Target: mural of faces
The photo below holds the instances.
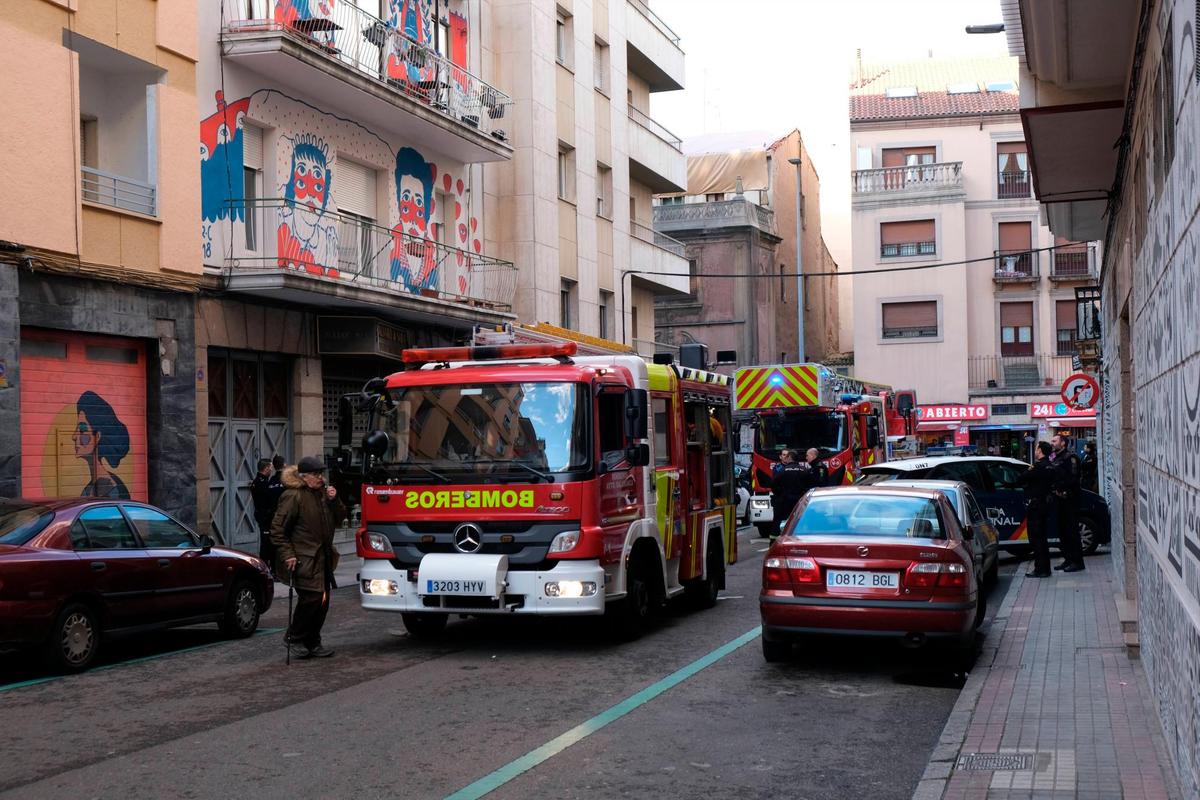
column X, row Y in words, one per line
column 414, row 216
column 308, row 183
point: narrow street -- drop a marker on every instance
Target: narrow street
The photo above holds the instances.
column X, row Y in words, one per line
column 388, row 716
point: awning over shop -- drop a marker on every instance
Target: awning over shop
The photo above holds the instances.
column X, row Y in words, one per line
column 1072, row 422
column 975, row 428
column 937, row 426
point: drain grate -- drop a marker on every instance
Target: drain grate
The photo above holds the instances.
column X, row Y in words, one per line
column 995, row 762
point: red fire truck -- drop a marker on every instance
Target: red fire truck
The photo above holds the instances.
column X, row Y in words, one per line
column 525, row 479
column 800, row 406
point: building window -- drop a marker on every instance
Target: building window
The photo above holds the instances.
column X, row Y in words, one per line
column 1064, row 324
column 252, row 181
column 908, row 238
column 782, row 283
column 356, row 193
column 633, row 322
column 1012, row 170
column 601, row 67
column 566, row 172
column 910, row 320
column 564, row 39
column 1016, row 329
column 566, row 301
column 1015, row 255
column 714, row 197
column 672, row 200
column 606, row 307
column 89, row 148
column 1009, row 409
column 693, row 276
column 604, row 191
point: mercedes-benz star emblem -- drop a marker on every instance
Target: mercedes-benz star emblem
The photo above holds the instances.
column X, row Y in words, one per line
column 468, row 538
column 863, row 552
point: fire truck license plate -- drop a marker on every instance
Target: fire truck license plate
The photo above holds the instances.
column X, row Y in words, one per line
column 456, row 587
column 853, row 579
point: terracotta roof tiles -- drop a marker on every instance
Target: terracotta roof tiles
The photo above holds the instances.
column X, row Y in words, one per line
column 931, row 78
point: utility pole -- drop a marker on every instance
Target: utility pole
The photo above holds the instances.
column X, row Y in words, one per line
column 799, row 260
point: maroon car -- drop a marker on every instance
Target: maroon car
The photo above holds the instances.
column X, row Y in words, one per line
column 871, row 560
column 75, row 571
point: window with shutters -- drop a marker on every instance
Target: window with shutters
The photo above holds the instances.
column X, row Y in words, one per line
column 1015, row 256
column 252, row 170
column 604, row 191
column 908, row 238
column 356, row 193
column 1012, row 170
column 600, row 67
column 917, row 319
column 1016, row 329
column 912, row 157
column 88, row 147
column 1064, row 316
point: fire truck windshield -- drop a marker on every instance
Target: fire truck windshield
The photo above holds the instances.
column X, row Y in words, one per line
column 525, row 431
column 823, row 430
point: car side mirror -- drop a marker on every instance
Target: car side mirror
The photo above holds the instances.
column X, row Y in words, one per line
column 637, row 413
column 207, row 543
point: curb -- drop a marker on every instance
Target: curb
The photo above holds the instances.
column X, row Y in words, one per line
column 945, row 754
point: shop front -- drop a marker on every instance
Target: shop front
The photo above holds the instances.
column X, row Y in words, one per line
column 947, row 425
column 1059, row 418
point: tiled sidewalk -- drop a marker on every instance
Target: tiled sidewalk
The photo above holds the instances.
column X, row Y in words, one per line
column 1054, row 705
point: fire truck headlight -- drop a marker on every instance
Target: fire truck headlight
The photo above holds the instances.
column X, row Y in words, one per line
column 570, row 589
column 379, row 586
column 565, row 542
column 760, row 502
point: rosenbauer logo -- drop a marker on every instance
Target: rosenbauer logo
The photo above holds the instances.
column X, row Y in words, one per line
column 456, row 499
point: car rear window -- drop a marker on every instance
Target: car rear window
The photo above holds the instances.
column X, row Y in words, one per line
column 878, row 515
column 20, row 522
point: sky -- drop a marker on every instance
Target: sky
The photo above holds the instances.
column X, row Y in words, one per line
column 774, row 65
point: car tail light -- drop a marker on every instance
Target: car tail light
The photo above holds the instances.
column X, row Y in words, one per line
column 782, row 572
column 372, row 544
column 924, row 574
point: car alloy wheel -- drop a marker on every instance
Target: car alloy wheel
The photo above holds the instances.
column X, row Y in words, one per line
column 78, row 638
column 1087, row 536
column 241, row 612
column 246, row 608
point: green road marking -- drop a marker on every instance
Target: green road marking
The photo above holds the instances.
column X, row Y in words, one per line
column 493, row 781
column 50, row 678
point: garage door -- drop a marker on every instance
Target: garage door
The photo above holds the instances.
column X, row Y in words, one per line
column 83, row 415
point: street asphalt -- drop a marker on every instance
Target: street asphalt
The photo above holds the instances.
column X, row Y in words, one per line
column 503, row 708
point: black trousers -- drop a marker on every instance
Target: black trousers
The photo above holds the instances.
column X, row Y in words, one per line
column 1037, row 525
column 1067, row 524
column 308, row 618
column 266, row 549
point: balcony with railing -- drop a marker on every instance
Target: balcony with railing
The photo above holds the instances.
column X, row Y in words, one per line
column 328, row 53
column 655, row 157
column 652, row 48
column 657, row 238
column 941, row 181
column 1039, row 372
column 1012, row 185
column 660, row 261
column 1016, row 266
column 736, row 213
column 1073, row 262
column 117, row 191
column 294, row 253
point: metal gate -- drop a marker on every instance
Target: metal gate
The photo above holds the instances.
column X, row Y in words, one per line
column 249, row 417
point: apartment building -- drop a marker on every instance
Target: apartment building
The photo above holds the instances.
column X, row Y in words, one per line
column 572, row 207
column 943, row 176
column 738, row 216
column 343, row 216
column 1141, row 197
column 98, row 251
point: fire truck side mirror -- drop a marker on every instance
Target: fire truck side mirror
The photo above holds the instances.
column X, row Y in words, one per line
column 375, row 444
column 637, row 410
column 638, row 455
column 872, row 431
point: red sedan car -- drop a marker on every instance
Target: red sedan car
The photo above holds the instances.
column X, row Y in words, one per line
column 75, row 571
column 870, row 560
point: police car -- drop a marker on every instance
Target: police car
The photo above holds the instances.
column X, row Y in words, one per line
column 996, row 483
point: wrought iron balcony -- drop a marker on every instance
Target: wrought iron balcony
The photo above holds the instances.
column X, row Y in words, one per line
column 1016, row 266
column 128, row 194
column 343, row 250
column 1038, row 371
column 1013, row 185
column 944, row 177
column 348, row 43
column 1073, row 263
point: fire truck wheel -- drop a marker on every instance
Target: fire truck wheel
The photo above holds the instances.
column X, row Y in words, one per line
column 704, row 591
column 631, row 616
column 424, row 626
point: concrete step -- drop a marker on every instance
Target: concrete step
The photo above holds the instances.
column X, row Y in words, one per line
column 1132, row 646
column 1127, row 613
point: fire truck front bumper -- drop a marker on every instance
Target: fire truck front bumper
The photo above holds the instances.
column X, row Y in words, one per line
column 482, row 584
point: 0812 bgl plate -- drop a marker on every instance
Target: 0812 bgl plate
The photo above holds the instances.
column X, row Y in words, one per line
column 860, row 580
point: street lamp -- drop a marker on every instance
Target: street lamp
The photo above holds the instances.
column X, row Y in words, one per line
column 799, row 260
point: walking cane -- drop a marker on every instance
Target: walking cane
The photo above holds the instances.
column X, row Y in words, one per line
column 287, row 645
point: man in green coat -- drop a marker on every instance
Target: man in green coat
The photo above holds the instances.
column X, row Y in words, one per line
column 302, row 532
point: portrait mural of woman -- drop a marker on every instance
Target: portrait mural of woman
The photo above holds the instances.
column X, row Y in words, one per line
column 102, row 441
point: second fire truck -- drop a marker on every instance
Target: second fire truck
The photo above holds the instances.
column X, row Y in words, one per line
column 802, row 406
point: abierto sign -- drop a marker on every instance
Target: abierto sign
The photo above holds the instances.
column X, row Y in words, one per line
column 950, row 413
